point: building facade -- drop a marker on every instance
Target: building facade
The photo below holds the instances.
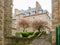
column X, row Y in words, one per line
column 31, row 15
column 5, row 19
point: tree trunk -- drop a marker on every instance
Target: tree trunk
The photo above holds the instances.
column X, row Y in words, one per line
column 24, row 30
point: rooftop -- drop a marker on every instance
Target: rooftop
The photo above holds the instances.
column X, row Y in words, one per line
column 32, row 11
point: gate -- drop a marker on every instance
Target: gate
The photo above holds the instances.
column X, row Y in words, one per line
column 58, row 35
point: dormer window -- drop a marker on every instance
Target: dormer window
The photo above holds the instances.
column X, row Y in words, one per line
column 29, row 13
column 35, row 12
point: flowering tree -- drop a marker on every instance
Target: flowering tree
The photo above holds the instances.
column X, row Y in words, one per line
column 23, row 23
column 39, row 25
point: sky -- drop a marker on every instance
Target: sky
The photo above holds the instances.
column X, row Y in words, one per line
column 24, row 4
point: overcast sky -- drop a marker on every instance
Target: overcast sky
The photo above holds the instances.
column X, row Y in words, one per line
column 24, row 4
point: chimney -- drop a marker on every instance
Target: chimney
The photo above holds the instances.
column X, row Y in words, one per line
column 17, row 12
column 37, row 7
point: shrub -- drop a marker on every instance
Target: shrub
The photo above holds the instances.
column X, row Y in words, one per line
column 25, row 34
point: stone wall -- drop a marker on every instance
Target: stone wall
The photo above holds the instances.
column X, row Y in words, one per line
column 43, row 40
column 5, row 19
column 1, row 21
column 56, row 17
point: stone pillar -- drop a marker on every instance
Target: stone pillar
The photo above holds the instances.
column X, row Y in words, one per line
column 1, row 22
column 5, row 19
column 56, row 17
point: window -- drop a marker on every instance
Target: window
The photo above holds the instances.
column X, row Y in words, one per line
column 40, row 11
column 33, row 17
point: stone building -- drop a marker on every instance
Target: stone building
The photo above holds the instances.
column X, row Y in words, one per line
column 5, row 19
column 56, row 18
column 31, row 14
